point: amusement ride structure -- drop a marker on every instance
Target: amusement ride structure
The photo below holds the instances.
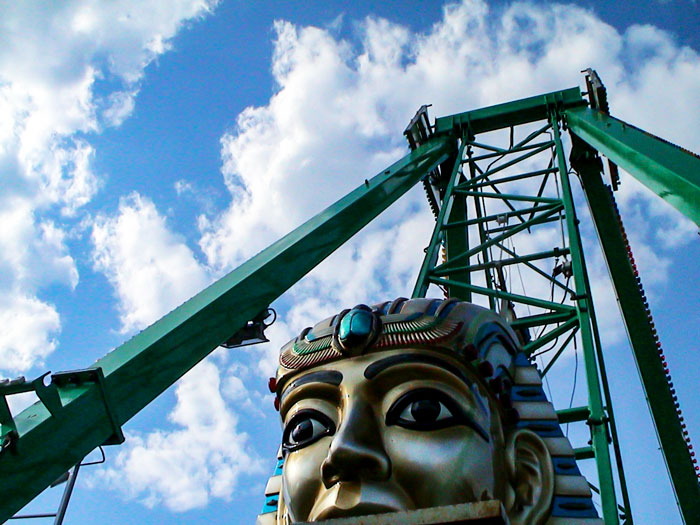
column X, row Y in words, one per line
column 500, row 188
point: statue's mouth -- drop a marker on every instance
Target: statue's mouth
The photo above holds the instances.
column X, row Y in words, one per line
column 346, row 499
column 361, row 509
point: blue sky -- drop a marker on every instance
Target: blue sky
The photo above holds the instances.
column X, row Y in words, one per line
column 145, row 150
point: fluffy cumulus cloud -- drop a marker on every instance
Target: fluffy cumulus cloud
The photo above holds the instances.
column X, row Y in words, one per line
column 335, row 118
column 203, row 453
column 340, row 106
column 28, row 323
column 64, row 75
column 203, row 457
column 149, row 278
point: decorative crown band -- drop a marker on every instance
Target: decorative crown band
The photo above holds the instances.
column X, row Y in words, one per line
column 362, row 330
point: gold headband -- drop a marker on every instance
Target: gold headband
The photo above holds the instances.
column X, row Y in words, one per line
column 456, row 328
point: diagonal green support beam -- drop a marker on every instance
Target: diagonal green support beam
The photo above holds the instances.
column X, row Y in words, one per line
column 641, row 333
column 95, row 403
column 588, row 330
column 450, row 264
column 500, row 294
column 669, row 171
column 431, row 253
column 532, row 321
column 553, row 334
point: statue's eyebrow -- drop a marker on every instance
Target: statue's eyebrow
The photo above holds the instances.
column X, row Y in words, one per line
column 329, row 377
column 374, row 369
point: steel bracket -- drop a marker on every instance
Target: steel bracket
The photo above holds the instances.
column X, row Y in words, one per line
column 47, row 394
column 94, row 376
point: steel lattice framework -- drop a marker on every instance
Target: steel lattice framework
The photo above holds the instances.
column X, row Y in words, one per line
column 497, row 198
column 506, row 235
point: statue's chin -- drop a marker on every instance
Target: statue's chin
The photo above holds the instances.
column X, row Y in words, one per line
column 347, row 499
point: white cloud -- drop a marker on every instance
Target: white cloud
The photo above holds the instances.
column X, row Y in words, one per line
column 336, row 117
column 119, row 107
column 182, row 186
column 32, row 254
column 151, row 269
column 340, row 106
column 203, row 457
column 66, row 68
column 27, row 334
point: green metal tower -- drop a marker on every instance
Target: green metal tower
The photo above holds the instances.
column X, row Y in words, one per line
column 506, row 235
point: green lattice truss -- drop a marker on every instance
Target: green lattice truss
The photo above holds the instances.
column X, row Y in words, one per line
column 492, row 176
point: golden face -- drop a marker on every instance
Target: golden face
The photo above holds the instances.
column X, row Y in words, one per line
column 394, row 430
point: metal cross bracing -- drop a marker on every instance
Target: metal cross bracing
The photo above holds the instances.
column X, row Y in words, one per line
column 506, row 236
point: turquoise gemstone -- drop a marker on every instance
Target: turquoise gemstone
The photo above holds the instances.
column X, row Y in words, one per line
column 356, row 326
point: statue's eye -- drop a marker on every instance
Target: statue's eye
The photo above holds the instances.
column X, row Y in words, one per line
column 430, row 409
column 306, row 427
column 425, row 412
column 423, row 409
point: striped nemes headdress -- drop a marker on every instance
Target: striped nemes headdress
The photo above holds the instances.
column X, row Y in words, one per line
column 481, row 339
column 456, row 328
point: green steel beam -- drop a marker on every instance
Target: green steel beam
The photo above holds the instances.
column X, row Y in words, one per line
column 563, row 347
column 539, row 145
column 641, row 334
column 498, row 216
column 556, row 252
column 476, row 184
column 479, row 210
column 584, row 453
column 508, row 196
column 669, row 171
column 542, row 340
column 457, row 241
column 496, row 149
column 494, row 240
column 514, row 147
column 598, row 418
column 509, row 114
column 431, row 253
column 43, row 444
column 534, row 149
column 532, row 321
column 609, row 408
column 530, row 222
column 525, row 259
column 571, row 415
column 499, row 294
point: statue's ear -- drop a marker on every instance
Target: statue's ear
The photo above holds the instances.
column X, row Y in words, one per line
column 530, row 478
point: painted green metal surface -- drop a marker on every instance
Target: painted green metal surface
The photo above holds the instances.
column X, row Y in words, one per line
column 457, row 240
column 570, row 415
column 609, row 408
column 515, row 213
column 493, row 240
column 431, row 252
column 598, row 418
column 139, row 370
column 509, row 114
column 84, row 409
column 643, row 343
column 669, row 171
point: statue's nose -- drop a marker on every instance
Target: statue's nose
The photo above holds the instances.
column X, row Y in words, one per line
column 357, row 452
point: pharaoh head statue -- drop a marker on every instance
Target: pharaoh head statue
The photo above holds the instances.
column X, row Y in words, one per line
column 417, row 404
